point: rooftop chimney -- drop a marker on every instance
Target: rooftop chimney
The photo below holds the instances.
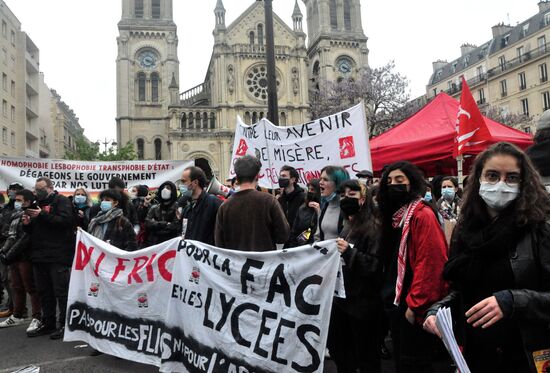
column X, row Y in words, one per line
column 544, row 5
column 500, row 29
column 439, row 64
column 466, row 48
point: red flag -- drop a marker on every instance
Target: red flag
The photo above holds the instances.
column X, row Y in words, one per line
column 470, row 125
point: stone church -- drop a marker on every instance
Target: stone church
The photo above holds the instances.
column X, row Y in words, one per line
column 198, row 123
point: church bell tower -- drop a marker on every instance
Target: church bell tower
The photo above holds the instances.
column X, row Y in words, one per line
column 147, row 69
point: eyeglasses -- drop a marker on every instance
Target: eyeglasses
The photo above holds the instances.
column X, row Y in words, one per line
column 493, row 177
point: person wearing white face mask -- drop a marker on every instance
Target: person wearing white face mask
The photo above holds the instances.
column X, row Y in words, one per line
column 499, row 264
column 162, row 222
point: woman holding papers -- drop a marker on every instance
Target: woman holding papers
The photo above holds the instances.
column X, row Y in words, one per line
column 499, row 265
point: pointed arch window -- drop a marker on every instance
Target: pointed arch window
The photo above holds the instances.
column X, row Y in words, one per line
column 141, row 86
column 347, row 15
column 155, row 9
column 333, row 15
column 140, row 145
column 155, row 87
column 158, row 149
column 261, row 34
column 138, row 8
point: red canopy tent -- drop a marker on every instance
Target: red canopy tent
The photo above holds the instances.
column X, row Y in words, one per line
column 427, row 139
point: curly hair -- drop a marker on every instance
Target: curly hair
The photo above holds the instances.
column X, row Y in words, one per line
column 533, row 203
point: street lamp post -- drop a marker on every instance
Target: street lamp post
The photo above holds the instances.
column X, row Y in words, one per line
column 272, row 104
column 106, row 142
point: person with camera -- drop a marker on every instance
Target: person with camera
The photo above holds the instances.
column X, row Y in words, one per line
column 200, row 214
column 141, row 200
column 305, row 223
column 51, row 229
column 16, row 254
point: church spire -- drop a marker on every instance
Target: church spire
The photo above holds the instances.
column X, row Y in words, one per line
column 219, row 12
column 297, row 17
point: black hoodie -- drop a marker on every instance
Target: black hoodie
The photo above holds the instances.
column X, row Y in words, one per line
column 162, row 223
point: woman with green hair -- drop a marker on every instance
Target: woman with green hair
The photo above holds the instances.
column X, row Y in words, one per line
column 331, row 219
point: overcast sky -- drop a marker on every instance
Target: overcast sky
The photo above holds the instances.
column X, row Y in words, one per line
column 77, row 41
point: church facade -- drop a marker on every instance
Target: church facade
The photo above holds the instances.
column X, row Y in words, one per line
column 199, row 123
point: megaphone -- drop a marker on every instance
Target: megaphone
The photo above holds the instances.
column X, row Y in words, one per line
column 217, row 188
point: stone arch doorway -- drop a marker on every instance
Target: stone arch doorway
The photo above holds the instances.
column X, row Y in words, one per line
column 203, row 164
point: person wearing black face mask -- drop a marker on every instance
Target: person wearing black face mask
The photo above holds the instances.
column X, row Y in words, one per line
column 353, row 339
column 292, row 196
column 305, row 223
column 414, row 254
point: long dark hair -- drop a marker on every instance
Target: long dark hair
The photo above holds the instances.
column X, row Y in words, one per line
column 365, row 222
column 417, row 187
column 533, row 203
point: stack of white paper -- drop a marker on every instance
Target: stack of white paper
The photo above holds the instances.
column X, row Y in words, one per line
column 444, row 322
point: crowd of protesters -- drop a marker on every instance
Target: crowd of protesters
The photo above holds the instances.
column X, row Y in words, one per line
column 408, row 245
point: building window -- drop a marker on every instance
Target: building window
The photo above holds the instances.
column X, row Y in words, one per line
column 520, row 51
column 453, row 67
column 541, row 44
column 347, row 15
column 525, row 107
column 154, row 87
column 5, row 135
column 140, row 145
column 251, row 37
column 524, row 30
column 434, row 92
column 283, row 119
column 204, row 121
column 12, row 113
column 333, row 15
column 522, row 81
column 543, row 73
column 505, row 40
column 138, row 8
column 547, row 19
column 212, row 121
column 502, row 62
column 480, row 72
column 191, row 120
column 481, row 97
column 261, row 34
column 13, row 139
column 13, row 38
column 4, row 82
column 183, row 121
column 5, row 108
column 4, row 56
column 12, row 88
column 141, row 86
column 546, row 100
column 155, row 9
column 4, row 29
column 158, row 149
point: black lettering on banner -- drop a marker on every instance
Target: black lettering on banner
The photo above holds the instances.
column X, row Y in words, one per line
column 279, row 284
column 315, row 359
column 278, row 339
column 235, row 322
column 303, row 306
column 226, row 308
column 246, row 276
column 206, row 321
column 264, row 330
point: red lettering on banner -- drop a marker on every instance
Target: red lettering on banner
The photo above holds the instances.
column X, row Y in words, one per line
column 164, row 272
column 83, row 256
column 120, row 267
column 98, row 263
column 140, row 262
column 149, row 268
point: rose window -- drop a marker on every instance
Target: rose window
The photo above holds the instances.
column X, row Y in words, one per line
column 256, row 82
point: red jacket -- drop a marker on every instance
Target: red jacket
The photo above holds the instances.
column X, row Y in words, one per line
column 427, row 255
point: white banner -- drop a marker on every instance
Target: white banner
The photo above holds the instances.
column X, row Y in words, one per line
column 93, row 176
column 209, row 310
column 339, row 140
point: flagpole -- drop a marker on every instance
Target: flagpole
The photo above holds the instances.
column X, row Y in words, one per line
column 459, row 163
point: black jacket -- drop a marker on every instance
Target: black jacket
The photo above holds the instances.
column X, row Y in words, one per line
column 17, row 247
column 162, row 223
column 291, row 203
column 306, row 218
column 52, row 231
column 201, row 218
column 120, row 233
column 540, row 155
column 530, row 262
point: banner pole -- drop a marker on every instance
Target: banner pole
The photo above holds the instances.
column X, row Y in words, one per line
column 459, row 164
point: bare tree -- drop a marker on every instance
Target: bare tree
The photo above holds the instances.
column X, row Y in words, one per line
column 383, row 90
column 511, row 120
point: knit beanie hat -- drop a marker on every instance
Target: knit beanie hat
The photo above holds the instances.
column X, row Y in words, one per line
column 544, row 121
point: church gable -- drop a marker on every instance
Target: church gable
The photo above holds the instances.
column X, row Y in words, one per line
column 251, row 25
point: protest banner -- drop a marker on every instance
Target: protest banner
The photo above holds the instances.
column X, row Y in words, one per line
column 340, row 139
column 92, row 176
column 189, row 307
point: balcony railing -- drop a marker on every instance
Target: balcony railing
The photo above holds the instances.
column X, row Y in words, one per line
column 192, row 96
column 258, row 49
column 198, row 120
column 456, row 88
column 520, row 60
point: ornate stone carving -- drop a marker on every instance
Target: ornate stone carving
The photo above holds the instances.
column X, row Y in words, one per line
column 230, row 79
